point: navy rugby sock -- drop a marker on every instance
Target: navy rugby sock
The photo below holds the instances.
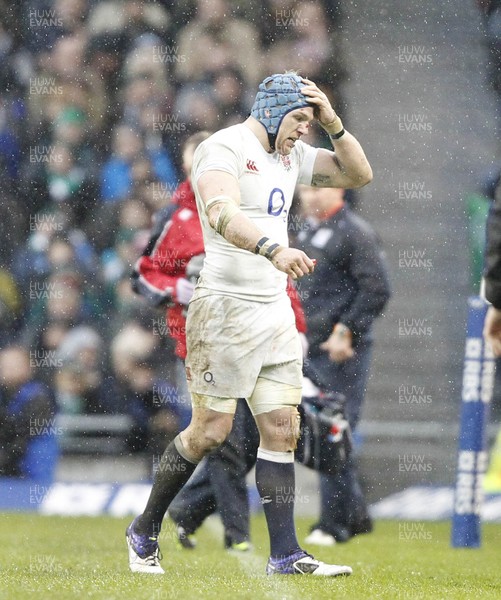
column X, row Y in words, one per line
column 275, row 483
column 174, row 470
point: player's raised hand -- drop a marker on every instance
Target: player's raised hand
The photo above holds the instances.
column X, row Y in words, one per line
column 292, row 261
column 323, row 110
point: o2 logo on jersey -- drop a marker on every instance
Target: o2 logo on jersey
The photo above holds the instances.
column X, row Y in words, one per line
column 276, row 203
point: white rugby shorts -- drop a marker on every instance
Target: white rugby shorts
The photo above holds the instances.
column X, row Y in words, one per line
column 231, row 342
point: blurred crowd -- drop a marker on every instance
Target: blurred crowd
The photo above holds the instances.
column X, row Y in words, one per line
column 96, row 99
column 491, row 10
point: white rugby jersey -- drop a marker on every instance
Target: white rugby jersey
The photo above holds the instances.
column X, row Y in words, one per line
column 267, row 183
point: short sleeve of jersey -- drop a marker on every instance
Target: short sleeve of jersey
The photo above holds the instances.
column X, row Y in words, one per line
column 216, row 155
column 307, row 155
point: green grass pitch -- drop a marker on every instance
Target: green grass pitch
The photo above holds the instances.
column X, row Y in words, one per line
column 80, row 558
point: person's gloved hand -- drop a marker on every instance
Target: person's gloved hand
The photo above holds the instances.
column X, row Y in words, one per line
column 184, row 291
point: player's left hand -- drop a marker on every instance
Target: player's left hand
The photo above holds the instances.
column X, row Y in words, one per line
column 492, row 329
column 323, row 110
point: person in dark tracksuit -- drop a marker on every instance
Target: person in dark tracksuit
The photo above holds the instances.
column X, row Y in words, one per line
column 347, row 291
column 492, row 274
column 492, row 323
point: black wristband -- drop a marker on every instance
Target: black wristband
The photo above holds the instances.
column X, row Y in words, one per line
column 260, row 244
column 270, row 251
column 336, row 136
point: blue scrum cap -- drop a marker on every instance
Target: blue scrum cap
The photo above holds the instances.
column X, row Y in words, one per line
column 277, row 96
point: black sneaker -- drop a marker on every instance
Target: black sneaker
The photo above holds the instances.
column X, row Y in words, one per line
column 185, row 540
column 363, row 526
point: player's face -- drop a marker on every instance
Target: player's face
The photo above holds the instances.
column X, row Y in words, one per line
column 294, row 125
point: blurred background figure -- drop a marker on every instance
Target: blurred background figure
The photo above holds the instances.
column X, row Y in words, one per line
column 347, row 291
column 28, row 431
column 117, row 175
column 161, row 274
column 138, row 391
column 79, row 381
column 232, row 41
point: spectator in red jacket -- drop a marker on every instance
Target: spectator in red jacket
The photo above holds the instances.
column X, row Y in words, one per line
column 160, row 273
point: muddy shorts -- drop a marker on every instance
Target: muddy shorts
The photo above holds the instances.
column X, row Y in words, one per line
column 231, row 342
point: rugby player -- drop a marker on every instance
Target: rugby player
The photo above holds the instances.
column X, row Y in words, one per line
column 241, row 334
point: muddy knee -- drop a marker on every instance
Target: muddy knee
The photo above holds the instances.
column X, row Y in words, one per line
column 287, row 428
column 210, row 424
